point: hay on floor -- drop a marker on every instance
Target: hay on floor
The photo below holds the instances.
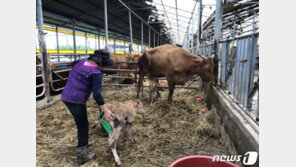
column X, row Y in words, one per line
column 164, row 133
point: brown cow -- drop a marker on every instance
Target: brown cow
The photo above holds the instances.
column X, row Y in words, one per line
column 134, row 56
column 123, row 58
column 119, row 57
column 176, row 64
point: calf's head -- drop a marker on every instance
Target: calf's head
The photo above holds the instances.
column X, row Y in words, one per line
column 139, row 107
column 206, row 69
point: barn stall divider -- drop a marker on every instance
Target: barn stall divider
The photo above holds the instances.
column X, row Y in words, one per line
column 59, row 71
column 40, row 86
column 237, row 76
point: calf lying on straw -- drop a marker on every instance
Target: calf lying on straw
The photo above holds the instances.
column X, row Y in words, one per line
column 125, row 113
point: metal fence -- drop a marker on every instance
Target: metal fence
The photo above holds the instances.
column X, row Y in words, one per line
column 59, row 71
column 237, row 72
column 59, row 63
column 232, row 36
column 55, row 67
column 39, row 76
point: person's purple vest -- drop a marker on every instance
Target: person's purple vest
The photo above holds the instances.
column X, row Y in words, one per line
column 78, row 87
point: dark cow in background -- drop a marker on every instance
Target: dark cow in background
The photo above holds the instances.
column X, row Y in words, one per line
column 176, row 64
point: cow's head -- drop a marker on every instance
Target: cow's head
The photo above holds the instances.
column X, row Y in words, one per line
column 206, row 68
column 130, row 57
column 134, row 56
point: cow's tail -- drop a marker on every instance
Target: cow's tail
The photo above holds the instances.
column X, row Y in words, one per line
column 140, row 83
column 142, row 64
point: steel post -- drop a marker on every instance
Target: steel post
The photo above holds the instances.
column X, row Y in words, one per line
column 154, row 39
column 199, row 27
column 96, row 45
column 218, row 25
column 192, row 26
column 106, row 24
column 74, row 37
column 43, row 51
column 57, row 40
column 131, row 30
column 158, row 40
column 187, row 38
column 142, row 49
column 149, row 37
column 124, row 46
column 99, row 36
column 177, row 20
column 86, row 47
column 114, row 43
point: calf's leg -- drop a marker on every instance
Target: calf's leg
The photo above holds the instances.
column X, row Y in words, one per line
column 152, row 86
column 112, row 142
column 129, row 131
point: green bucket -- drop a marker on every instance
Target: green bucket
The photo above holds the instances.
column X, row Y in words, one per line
column 105, row 124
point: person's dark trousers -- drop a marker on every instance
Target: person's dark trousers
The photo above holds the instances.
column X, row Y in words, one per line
column 79, row 113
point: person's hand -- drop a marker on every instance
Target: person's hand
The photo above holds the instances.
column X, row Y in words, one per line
column 108, row 115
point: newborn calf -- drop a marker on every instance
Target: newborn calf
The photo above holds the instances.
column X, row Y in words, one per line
column 125, row 113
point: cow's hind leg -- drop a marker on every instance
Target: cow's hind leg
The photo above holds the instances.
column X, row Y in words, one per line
column 171, row 90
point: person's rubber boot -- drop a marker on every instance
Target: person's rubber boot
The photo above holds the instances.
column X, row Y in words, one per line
column 90, row 143
column 82, row 156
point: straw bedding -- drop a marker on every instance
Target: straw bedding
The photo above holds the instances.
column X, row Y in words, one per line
column 164, row 133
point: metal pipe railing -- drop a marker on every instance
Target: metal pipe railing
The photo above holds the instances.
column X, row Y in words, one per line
column 106, row 24
column 43, row 91
column 42, row 47
column 131, row 30
column 238, row 66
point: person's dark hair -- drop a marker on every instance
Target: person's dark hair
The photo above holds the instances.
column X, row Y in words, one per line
column 74, row 62
column 101, row 57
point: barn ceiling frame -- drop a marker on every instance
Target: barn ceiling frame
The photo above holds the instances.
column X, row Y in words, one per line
column 93, row 19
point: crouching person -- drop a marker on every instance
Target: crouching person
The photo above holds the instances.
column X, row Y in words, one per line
column 85, row 78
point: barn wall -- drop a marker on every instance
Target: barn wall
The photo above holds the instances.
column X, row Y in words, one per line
column 238, row 131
